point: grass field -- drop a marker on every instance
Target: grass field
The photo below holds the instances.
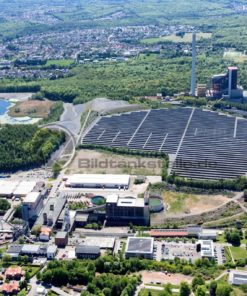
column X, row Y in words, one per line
column 59, row 63
column 179, row 202
column 146, row 292
column 187, row 38
column 235, row 56
column 238, row 253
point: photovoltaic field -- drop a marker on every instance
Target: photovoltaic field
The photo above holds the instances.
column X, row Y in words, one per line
column 201, row 144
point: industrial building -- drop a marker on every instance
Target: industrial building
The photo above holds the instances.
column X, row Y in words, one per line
column 123, row 210
column 87, row 252
column 32, row 250
column 142, row 247
column 61, row 239
column 18, row 188
column 32, row 206
column 226, row 85
column 196, row 231
column 237, row 277
column 98, row 181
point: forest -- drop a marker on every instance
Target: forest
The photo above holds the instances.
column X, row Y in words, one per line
column 26, row 146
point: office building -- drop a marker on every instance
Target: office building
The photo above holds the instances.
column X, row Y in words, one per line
column 206, row 248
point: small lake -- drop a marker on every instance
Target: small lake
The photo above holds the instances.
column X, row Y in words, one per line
column 4, row 106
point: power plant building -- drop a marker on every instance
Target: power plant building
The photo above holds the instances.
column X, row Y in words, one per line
column 122, row 210
column 226, row 85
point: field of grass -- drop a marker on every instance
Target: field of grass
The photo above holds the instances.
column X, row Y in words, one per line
column 146, row 292
column 187, row 38
column 238, row 253
column 59, row 63
column 235, row 56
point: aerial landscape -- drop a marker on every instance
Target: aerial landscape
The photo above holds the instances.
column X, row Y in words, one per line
column 123, row 139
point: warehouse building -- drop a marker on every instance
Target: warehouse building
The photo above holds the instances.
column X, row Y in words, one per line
column 98, row 181
column 32, row 250
column 123, row 210
column 142, row 247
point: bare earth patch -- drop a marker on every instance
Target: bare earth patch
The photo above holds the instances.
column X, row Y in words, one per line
column 175, row 279
column 97, row 162
column 184, row 203
column 31, row 108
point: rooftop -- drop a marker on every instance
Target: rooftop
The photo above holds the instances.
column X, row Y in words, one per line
column 237, row 277
column 130, row 202
column 31, row 197
column 7, row 187
column 30, row 248
column 24, row 187
column 87, row 249
column 61, row 234
column 207, row 248
column 98, row 179
column 139, row 245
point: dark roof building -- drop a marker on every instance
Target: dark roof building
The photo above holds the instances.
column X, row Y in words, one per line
column 85, row 252
column 140, row 247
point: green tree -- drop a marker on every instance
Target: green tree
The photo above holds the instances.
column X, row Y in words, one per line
column 223, row 289
column 212, row 288
column 184, row 289
column 56, row 169
column 197, row 281
column 201, row 291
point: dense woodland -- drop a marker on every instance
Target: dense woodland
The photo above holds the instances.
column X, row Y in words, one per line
column 26, row 146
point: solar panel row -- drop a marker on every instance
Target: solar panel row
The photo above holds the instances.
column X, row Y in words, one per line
column 204, row 144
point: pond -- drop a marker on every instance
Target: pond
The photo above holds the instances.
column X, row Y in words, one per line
column 98, row 200
column 4, row 106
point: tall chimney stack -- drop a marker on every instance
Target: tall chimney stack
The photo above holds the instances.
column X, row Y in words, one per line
column 193, row 72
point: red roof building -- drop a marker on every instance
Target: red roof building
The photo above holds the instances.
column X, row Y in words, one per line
column 169, row 233
column 10, row 288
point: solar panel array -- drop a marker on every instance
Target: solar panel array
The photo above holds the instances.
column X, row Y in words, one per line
column 203, row 144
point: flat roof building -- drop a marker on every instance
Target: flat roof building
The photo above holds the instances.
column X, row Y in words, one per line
column 238, row 277
column 24, row 187
column 98, row 181
column 32, row 206
column 7, row 188
column 140, row 247
column 61, row 239
column 123, row 210
column 207, row 248
column 87, row 252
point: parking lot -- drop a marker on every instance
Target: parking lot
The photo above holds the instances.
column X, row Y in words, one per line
column 164, row 250
column 169, row 250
